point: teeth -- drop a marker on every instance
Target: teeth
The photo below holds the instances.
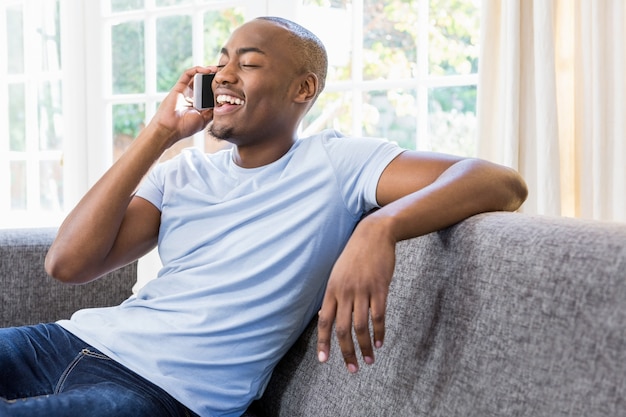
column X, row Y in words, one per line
column 223, row 98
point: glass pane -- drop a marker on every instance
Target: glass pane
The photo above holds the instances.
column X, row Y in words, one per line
column 51, row 185
column 50, row 116
column 391, row 114
column 454, row 34
column 174, row 49
column 18, row 185
column 124, row 5
column 452, row 120
column 50, row 35
column 17, row 118
column 218, row 26
column 15, row 39
column 128, row 120
column 127, row 42
column 331, row 111
column 165, row 3
column 389, row 39
column 332, row 23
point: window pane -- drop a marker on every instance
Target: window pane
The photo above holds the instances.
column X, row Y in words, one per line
column 391, row 114
column 218, row 26
column 50, row 116
column 454, row 34
column 49, row 35
column 15, row 39
column 333, row 25
column 128, row 120
column 162, row 3
column 17, row 118
column 51, row 185
column 389, row 39
column 18, row 185
column 128, row 57
column 331, row 111
column 452, row 120
column 174, row 53
column 124, row 5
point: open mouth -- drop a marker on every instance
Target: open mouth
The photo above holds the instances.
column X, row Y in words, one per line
column 226, row 99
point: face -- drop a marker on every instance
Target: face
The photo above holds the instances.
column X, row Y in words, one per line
column 255, row 85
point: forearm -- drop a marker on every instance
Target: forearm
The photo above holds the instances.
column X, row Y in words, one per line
column 108, row 227
column 466, row 188
column 86, row 237
column 419, row 194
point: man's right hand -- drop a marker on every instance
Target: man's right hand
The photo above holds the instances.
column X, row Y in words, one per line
column 176, row 115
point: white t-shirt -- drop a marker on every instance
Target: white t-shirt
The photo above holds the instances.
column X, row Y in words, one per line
column 246, row 254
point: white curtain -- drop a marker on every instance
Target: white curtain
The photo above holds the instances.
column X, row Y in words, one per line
column 551, row 101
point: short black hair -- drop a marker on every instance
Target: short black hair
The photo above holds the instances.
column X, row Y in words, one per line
column 310, row 52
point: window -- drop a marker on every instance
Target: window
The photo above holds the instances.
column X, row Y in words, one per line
column 405, row 70
column 151, row 44
column 31, row 112
column 78, row 80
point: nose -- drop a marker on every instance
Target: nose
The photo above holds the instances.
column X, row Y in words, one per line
column 226, row 75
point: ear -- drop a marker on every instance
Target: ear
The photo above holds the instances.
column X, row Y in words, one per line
column 307, row 88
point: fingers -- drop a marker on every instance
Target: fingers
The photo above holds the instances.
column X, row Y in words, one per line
column 324, row 328
column 186, row 78
column 343, row 330
column 362, row 331
column 349, row 317
column 377, row 312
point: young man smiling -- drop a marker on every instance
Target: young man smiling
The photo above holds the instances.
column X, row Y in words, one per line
column 255, row 241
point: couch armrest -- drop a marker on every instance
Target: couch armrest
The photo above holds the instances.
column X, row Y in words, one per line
column 29, row 296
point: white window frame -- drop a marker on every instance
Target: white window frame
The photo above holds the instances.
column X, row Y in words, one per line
column 86, row 80
column 32, row 156
column 99, row 98
column 421, row 83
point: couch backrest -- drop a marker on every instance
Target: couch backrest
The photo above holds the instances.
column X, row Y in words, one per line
column 29, row 296
column 503, row 314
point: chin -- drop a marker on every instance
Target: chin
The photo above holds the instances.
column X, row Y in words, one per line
column 224, row 133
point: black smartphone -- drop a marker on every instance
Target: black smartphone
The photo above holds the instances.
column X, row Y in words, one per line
column 203, row 92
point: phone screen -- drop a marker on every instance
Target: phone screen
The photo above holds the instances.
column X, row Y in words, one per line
column 203, row 91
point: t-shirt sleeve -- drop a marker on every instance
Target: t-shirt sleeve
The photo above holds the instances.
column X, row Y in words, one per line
column 358, row 164
column 152, row 186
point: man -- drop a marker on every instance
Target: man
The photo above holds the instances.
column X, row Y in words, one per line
column 254, row 240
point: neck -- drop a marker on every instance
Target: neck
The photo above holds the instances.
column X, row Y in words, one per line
column 260, row 154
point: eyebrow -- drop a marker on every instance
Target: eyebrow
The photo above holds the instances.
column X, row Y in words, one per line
column 244, row 50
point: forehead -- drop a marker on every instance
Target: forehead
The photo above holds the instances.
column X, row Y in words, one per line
column 267, row 37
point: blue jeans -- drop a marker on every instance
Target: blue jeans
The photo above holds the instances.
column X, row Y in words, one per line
column 47, row 371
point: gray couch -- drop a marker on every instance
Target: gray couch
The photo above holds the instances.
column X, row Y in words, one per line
column 29, row 296
column 504, row 314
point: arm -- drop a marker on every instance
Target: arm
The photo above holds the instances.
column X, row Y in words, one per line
column 110, row 227
column 418, row 193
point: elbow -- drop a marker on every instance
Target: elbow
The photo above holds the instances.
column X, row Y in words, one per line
column 63, row 270
column 55, row 269
column 517, row 190
column 503, row 188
